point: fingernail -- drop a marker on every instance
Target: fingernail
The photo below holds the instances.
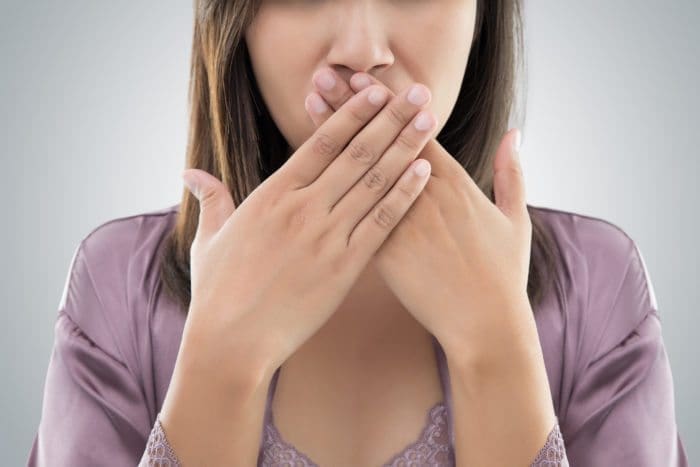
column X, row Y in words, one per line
column 422, row 168
column 516, row 142
column 423, row 122
column 317, row 103
column 191, row 183
column 325, row 80
column 361, row 81
column 377, row 96
column 418, row 95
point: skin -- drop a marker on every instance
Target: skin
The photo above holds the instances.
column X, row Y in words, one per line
column 385, row 39
column 499, row 382
column 458, row 265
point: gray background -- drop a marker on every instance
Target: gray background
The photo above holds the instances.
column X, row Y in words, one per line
column 93, row 124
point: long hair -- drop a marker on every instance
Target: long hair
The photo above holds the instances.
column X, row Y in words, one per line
column 228, row 120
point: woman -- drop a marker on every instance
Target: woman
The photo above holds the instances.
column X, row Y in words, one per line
column 384, row 316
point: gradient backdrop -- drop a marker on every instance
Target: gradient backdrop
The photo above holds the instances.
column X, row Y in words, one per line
column 93, row 125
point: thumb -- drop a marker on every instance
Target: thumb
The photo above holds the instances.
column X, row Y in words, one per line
column 508, row 179
column 215, row 201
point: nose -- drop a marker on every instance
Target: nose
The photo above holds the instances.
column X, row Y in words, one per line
column 360, row 41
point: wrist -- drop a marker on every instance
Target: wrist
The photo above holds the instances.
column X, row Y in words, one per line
column 510, row 345
column 228, row 360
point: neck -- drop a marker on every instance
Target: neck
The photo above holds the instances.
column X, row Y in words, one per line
column 370, row 320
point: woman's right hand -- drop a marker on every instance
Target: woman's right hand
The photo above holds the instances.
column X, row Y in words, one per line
column 266, row 275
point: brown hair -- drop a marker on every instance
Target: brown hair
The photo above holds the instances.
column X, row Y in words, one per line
column 228, row 119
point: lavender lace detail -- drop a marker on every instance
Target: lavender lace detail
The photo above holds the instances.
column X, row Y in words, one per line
column 158, row 452
column 431, row 449
column 277, row 452
column 553, row 453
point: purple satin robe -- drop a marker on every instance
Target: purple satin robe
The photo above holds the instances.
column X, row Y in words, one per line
column 117, row 335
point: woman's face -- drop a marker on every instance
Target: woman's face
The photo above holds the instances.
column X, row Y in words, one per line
column 396, row 41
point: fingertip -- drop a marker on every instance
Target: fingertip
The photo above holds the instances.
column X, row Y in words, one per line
column 517, row 139
column 315, row 104
column 189, row 177
column 422, row 167
column 359, row 81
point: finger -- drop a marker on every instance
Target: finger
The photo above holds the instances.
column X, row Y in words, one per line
column 335, row 95
column 329, row 140
column 508, row 179
column 369, row 146
column 215, row 201
column 327, row 99
column 317, row 108
column 369, row 235
column 443, row 164
column 360, row 80
column 379, row 179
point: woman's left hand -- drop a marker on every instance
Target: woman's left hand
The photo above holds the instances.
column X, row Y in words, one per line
column 457, row 262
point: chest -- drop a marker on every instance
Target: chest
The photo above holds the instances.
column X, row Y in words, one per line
column 359, row 414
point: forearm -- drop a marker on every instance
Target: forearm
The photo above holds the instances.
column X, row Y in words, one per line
column 208, row 419
column 503, row 411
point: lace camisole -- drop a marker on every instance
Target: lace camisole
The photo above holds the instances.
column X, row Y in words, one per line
column 432, row 448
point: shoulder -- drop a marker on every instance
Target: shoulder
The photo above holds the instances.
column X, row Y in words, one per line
column 112, row 270
column 121, row 235
column 607, row 285
column 121, row 248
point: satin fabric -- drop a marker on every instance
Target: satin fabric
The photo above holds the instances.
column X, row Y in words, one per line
column 117, row 335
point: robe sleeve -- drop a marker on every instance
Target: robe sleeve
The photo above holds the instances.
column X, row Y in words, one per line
column 93, row 408
column 622, row 409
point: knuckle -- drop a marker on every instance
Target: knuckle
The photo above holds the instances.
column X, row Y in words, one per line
column 408, row 189
column 384, row 216
column 375, row 179
column 463, row 185
column 323, row 238
column 405, row 141
column 324, row 145
column 357, row 115
column 347, row 95
column 300, row 215
column 338, row 263
column 396, row 116
column 360, row 151
column 325, row 242
column 514, row 170
column 453, row 181
column 208, row 196
column 342, row 263
column 298, row 219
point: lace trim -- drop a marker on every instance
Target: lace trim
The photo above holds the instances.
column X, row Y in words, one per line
column 158, row 452
column 431, row 449
column 553, row 453
column 277, row 452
